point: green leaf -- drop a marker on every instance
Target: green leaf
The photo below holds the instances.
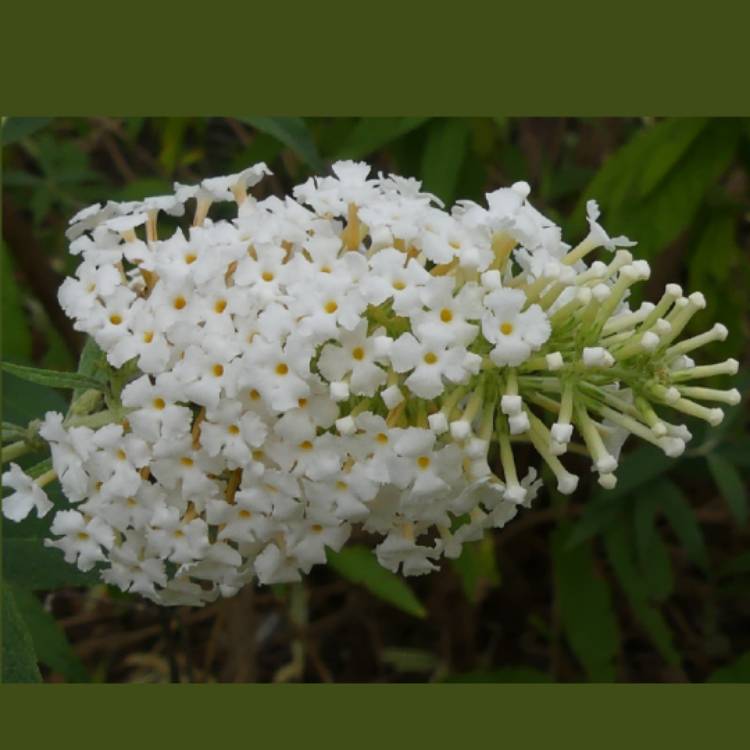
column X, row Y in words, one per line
column 293, row 133
column 373, row 133
column 51, row 378
column 667, row 144
column 739, row 671
column 605, row 506
column 657, row 218
column 504, row 674
column 586, row 612
column 730, row 484
column 477, row 568
column 358, row 565
column 51, row 646
column 653, row 558
column 443, row 156
column 15, row 326
column 682, row 520
column 16, row 128
column 619, row 552
column 23, row 401
column 31, row 565
column 19, row 659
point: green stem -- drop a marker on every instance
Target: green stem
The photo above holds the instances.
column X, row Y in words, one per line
column 14, row 450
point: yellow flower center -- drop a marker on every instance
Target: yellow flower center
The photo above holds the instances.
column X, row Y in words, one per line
column 446, row 315
column 358, row 353
column 424, row 462
column 282, row 368
column 330, row 307
column 430, row 358
column 506, row 328
column 159, row 403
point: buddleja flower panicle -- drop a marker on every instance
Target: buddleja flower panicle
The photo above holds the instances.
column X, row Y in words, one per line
column 347, row 357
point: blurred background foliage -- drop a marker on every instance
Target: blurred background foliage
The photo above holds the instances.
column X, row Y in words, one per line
column 649, row 582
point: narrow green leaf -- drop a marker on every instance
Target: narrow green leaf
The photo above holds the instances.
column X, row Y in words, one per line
column 16, row 330
column 51, row 378
column 19, row 659
column 373, row 133
column 653, row 557
column 682, row 519
column 24, row 401
column 619, row 552
column 358, row 565
column 51, row 646
column 657, row 218
column 29, row 564
column 730, row 484
column 477, row 568
column 443, row 156
column 738, row 671
column 668, row 143
column 586, row 612
column 16, row 128
column 604, row 507
column 293, row 133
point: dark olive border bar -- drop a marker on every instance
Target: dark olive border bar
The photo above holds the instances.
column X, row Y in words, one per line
column 405, row 716
column 387, row 58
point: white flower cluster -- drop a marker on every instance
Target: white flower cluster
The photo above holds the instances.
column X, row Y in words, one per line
column 354, row 356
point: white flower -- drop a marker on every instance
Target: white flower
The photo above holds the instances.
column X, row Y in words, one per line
column 515, row 332
column 27, row 495
column 356, row 358
column 81, row 538
column 431, row 362
column 597, row 235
